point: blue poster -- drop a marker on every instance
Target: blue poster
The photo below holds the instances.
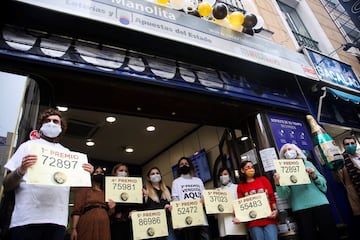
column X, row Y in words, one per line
column 287, row 129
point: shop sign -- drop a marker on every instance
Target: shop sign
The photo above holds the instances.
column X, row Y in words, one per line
column 152, row 69
column 157, row 20
column 333, row 71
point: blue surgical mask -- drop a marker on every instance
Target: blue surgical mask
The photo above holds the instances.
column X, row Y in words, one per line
column 122, row 174
column 351, row 149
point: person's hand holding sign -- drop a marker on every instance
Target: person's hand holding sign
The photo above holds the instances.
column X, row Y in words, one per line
column 311, row 173
column 88, row 167
column 27, row 162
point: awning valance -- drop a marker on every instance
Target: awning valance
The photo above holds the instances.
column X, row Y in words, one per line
column 343, row 95
column 336, row 107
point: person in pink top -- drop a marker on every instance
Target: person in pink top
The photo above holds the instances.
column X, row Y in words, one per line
column 264, row 228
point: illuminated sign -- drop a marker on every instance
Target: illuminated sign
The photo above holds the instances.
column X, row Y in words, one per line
column 333, row 71
column 150, row 18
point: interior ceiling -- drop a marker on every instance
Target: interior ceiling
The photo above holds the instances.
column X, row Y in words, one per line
column 111, row 138
column 174, row 112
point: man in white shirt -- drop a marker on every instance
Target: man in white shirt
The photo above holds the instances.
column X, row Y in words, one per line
column 40, row 211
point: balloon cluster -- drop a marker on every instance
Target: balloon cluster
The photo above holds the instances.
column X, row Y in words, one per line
column 219, row 13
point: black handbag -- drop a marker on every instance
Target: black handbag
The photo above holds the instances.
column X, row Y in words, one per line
column 6, row 208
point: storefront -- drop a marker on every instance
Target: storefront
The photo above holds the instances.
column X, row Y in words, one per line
column 112, row 55
column 334, row 100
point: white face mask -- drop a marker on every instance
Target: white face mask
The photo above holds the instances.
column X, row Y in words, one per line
column 122, row 174
column 51, row 129
column 155, row 178
column 224, row 179
column 290, row 154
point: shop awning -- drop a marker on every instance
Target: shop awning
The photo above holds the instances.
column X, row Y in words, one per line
column 343, row 95
column 339, row 108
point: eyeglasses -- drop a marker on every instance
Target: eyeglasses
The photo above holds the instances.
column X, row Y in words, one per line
column 350, row 143
column 248, row 167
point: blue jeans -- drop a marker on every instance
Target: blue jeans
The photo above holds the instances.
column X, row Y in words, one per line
column 268, row 232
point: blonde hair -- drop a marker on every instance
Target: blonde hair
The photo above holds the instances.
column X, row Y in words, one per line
column 151, row 191
column 299, row 152
column 117, row 166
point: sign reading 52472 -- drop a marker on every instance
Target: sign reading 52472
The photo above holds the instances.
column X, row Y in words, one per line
column 58, row 167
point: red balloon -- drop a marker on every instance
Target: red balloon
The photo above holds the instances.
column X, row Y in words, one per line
column 220, row 11
column 250, row 20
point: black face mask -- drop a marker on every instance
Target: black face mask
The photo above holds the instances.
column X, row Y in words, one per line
column 184, row 169
column 99, row 178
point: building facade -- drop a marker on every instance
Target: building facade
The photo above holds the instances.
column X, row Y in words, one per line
column 256, row 68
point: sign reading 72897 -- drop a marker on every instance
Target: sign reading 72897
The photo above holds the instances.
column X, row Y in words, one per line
column 57, row 167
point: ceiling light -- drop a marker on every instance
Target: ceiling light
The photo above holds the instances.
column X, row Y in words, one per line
column 62, row 108
column 129, row 149
column 110, row 119
column 150, row 128
column 90, row 143
column 244, row 138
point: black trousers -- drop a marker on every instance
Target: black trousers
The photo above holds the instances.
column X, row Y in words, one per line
column 38, row 232
column 193, row 233
column 316, row 223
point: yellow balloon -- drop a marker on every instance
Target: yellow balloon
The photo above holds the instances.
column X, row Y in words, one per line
column 236, row 19
column 162, row 1
column 204, row 9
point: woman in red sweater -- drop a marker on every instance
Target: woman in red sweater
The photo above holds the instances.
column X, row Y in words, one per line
column 264, row 228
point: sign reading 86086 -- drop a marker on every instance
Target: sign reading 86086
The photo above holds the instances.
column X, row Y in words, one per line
column 250, row 204
column 58, row 162
column 149, row 221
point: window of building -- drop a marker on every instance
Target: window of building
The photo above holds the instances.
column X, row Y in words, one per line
column 297, row 27
column 345, row 24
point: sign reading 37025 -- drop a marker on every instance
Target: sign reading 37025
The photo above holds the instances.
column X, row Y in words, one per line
column 58, row 167
column 218, row 201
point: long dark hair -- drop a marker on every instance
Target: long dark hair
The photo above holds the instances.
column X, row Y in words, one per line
column 191, row 165
column 102, row 184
